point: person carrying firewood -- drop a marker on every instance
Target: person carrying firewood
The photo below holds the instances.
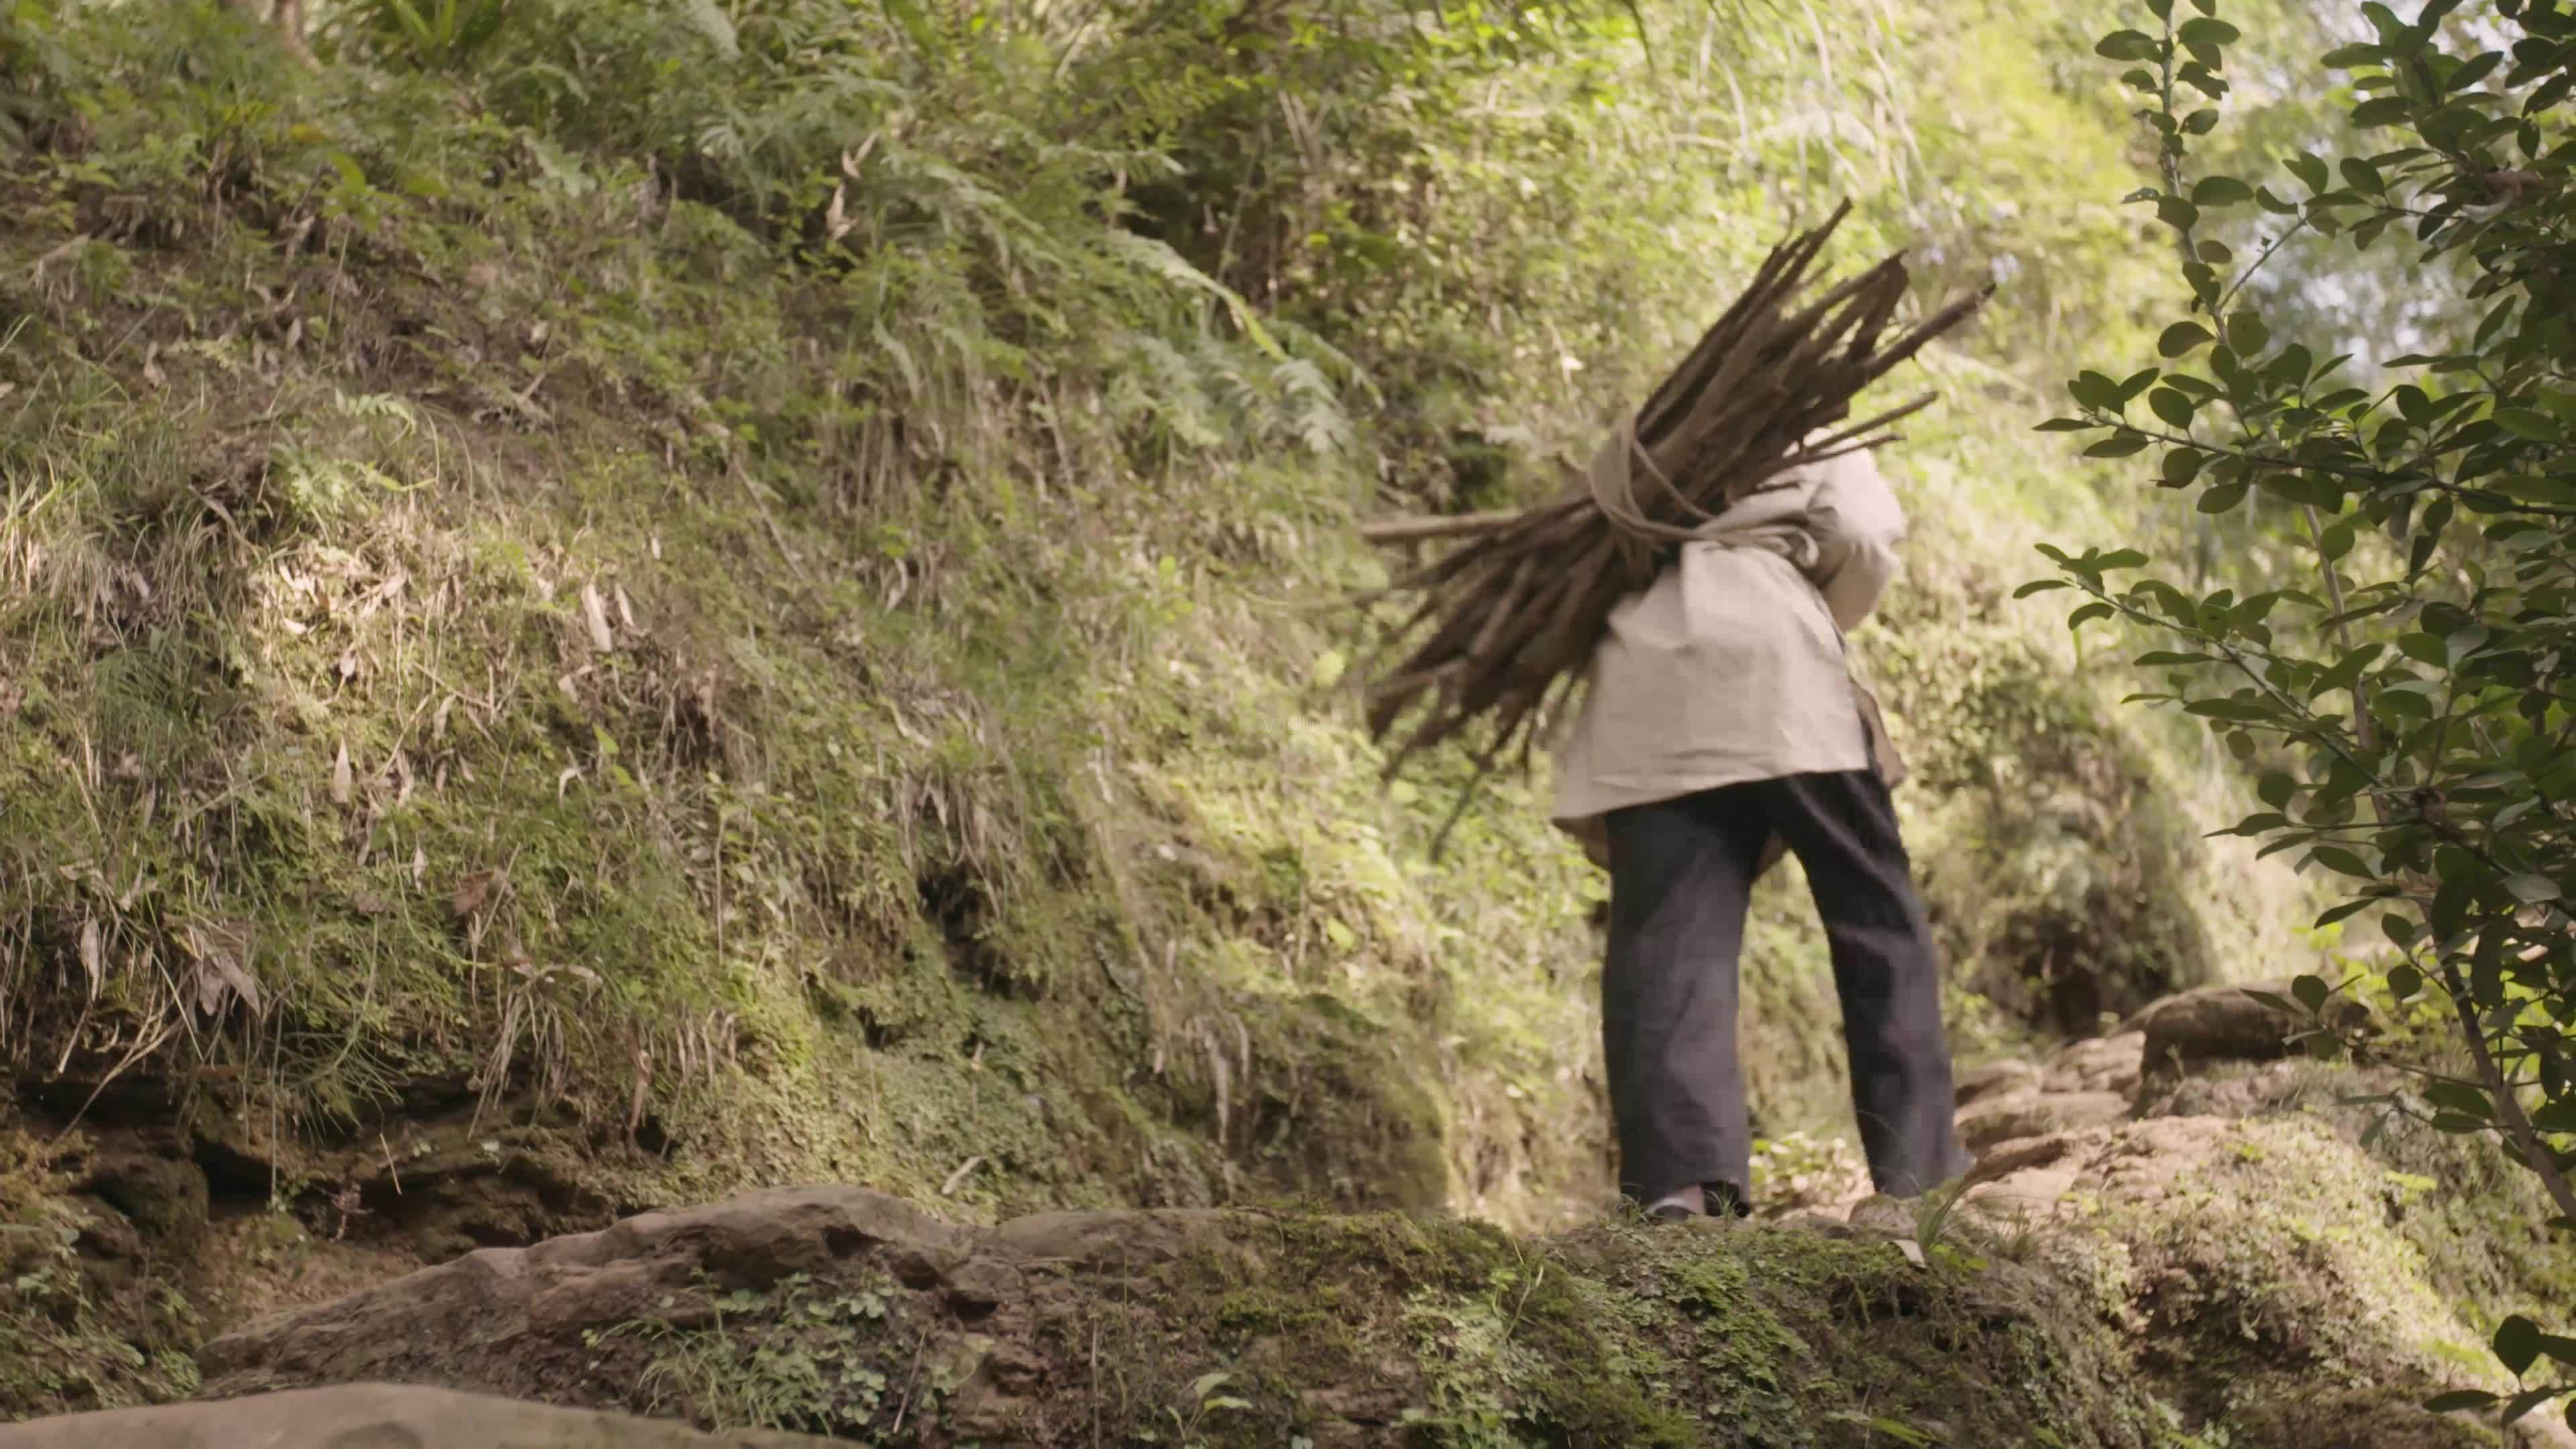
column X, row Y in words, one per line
column 1721, row 726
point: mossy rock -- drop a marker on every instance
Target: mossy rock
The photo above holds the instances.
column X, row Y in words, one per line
column 2267, row 1257
column 842, row 1311
column 2304, row 1416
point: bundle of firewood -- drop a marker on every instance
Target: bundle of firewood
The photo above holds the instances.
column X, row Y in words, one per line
column 1503, row 626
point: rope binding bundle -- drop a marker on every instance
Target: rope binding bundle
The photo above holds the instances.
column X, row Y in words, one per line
column 1504, row 624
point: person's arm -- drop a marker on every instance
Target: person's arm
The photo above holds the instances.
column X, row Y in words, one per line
column 1857, row 524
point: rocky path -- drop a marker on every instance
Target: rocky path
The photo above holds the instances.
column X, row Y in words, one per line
column 2171, row 1224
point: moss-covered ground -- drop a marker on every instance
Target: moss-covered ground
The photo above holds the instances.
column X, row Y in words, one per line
column 1237, row 1328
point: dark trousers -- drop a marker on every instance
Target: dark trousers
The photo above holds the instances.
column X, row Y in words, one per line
column 1681, row 874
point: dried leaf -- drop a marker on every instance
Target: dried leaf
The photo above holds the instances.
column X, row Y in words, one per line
column 383, row 594
column 594, row 615
column 222, row 955
column 474, row 890
column 836, row 223
column 344, row 783
column 625, row 609
column 93, row 955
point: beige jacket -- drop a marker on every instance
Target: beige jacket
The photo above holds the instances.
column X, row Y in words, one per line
column 1730, row 667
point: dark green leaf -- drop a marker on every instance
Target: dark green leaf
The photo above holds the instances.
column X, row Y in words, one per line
column 2381, row 111
column 2088, row 613
column 2526, row 423
column 2530, row 1399
column 2222, row 499
column 2494, row 322
column 2040, row 586
column 2128, row 45
column 2171, row 406
column 2473, row 71
column 2120, row 446
column 2221, row 191
column 2459, row 1097
column 2451, row 903
column 2517, row 1343
column 2531, row 889
column 2486, row 966
column 2350, row 56
column 2311, row 992
column 2336, row 858
column 2180, row 338
column 2094, row 390
column 2348, row 669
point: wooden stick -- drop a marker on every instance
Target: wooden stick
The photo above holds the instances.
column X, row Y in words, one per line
column 1509, row 617
column 1417, row 530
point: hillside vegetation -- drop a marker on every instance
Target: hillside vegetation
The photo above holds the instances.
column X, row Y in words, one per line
column 646, row 598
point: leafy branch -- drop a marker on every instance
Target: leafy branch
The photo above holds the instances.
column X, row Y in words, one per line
column 2456, row 645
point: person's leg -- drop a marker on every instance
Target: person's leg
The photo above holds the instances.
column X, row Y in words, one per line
column 1842, row 827
column 1680, row 872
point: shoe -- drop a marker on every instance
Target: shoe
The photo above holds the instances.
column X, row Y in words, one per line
column 1678, row 1207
